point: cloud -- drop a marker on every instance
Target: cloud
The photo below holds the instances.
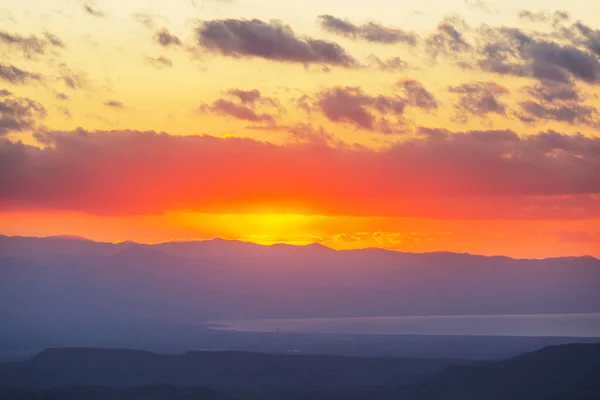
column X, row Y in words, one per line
column 550, row 91
column 377, row 113
column 64, row 111
column 533, row 111
column 166, row 39
column 353, row 106
column 253, row 97
column 438, row 174
column 244, row 105
column 147, row 20
column 71, row 79
column 160, row 62
column 17, row 76
column 370, row 32
column 511, row 51
column 557, row 101
column 18, row 113
column 226, row 107
column 304, row 133
column 30, row 45
column 90, row 8
column 54, row 40
column 246, row 96
column 591, row 37
column 416, row 95
column 554, row 18
column 271, row 41
column 446, row 40
column 479, row 99
column 115, row 104
column 392, row 64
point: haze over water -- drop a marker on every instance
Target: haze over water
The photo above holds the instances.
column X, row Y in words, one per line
column 566, row 325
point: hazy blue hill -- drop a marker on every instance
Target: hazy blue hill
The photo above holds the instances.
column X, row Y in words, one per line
column 232, row 370
column 51, row 283
column 567, row 372
column 547, row 374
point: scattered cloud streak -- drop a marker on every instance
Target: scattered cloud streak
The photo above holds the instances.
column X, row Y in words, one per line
column 16, row 76
column 247, row 105
column 370, row 32
column 31, row 45
column 270, row 41
column 18, row 114
column 166, row 38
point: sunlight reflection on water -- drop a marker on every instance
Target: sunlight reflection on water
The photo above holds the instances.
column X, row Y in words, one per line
column 567, row 325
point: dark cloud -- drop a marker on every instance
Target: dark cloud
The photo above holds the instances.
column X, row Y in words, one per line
column 370, row 32
column 591, row 37
column 17, row 76
column 246, row 96
column 253, row 97
column 30, row 45
column 579, row 63
column 477, row 174
column 18, row 113
column 353, row 106
column 479, row 99
column 377, row 113
column 446, row 40
column 272, row 41
column 114, row 104
column 551, row 91
column 238, row 111
column 571, row 113
column 160, row 62
column 557, row 101
column 245, row 105
column 416, row 95
column 511, row 51
column 166, row 39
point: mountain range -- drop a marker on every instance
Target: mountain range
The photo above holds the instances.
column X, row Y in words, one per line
column 567, row 372
column 66, row 279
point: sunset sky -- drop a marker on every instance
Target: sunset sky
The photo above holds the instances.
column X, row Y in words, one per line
column 438, row 125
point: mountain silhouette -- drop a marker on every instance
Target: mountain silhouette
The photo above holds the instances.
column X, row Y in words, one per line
column 567, row 372
column 56, row 279
column 241, row 370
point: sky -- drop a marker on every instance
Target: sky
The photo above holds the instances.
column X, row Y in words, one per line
column 464, row 126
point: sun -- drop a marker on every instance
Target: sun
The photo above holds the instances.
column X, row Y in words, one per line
column 267, row 228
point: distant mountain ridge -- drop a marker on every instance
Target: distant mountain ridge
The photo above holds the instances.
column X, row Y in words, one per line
column 232, row 370
column 55, row 279
column 216, row 244
column 566, row 372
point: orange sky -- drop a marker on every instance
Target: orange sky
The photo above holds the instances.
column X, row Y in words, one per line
column 443, row 126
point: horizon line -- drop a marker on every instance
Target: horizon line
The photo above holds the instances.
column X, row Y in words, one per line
column 76, row 238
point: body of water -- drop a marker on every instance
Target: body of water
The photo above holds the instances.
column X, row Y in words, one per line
column 567, row 325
